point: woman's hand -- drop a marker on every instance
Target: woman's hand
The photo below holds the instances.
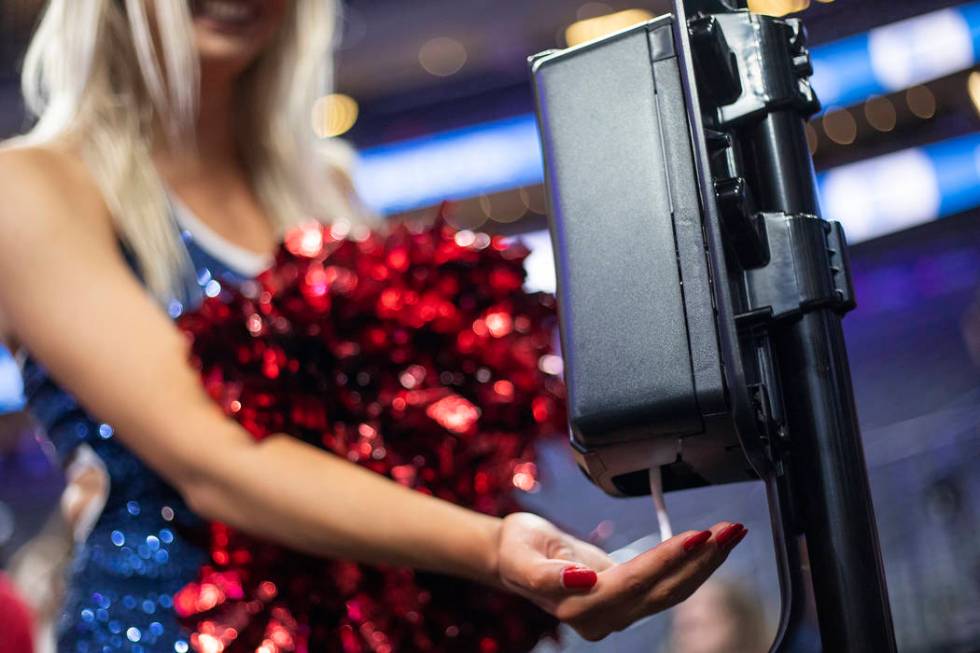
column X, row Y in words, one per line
column 584, row 587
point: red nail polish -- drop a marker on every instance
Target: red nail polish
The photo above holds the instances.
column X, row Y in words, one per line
column 578, row 578
column 729, row 534
column 741, row 536
column 696, row 540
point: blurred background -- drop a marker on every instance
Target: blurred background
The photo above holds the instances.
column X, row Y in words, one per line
column 434, row 95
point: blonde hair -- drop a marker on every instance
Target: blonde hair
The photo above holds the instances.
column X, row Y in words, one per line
column 81, row 82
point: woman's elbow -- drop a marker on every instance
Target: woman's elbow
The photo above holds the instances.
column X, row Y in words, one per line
column 205, row 496
column 223, row 493
column 197, row 479
column 206, row 469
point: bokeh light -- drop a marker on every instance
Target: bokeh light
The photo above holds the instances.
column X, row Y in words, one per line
column 599, row 26
column 334, row 115
column 534, row 199
column 973, row 88
column 840, row 126
column 777, row 7
column 442, row 56
column 921, row 101
column 503, row 207
column 880, row 113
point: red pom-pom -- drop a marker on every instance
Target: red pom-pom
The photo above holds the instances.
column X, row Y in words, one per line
column 416, row 354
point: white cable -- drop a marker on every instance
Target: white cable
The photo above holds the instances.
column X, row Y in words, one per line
column 657, row 492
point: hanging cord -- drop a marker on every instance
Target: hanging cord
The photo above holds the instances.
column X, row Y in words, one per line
column 657, row 492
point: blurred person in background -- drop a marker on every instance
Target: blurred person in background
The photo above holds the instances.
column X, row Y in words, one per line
column 39, row 567
column 172, row 149
column 15, row 620
column 721, row 617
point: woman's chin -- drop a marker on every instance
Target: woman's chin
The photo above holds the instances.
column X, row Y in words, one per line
column 226, row 52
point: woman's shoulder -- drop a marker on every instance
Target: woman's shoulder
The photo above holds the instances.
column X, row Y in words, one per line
column 56, row 159
column 51, row 176
column 47, row 198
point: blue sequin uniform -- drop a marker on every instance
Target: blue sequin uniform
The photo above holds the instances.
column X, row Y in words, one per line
column 146, row 544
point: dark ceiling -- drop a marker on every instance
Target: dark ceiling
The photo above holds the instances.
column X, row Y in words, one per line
column 378, row 64
column 379, row 57
column 378, row 60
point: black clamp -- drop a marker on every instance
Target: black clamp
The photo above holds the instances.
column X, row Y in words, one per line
column 749, row 65
column 807, row 269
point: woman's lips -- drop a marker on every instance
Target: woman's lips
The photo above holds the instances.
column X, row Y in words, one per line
column 227, row 15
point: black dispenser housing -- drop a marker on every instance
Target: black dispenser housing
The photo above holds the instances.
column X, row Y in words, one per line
column 652, row 365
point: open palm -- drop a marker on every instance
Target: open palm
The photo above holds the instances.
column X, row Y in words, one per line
column 534, row 557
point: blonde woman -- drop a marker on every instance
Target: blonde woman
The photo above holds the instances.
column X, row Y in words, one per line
column 171, row 150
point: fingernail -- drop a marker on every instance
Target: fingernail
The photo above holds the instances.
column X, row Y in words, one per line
column 728, row 534
column 578, row 578
column 696, row 540
column 741, row 536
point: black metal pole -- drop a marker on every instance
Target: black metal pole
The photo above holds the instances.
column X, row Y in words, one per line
column 781, row 166
column 827, row 459
column 835, row 497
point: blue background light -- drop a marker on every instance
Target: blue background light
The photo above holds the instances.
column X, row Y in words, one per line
column 456, row 164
